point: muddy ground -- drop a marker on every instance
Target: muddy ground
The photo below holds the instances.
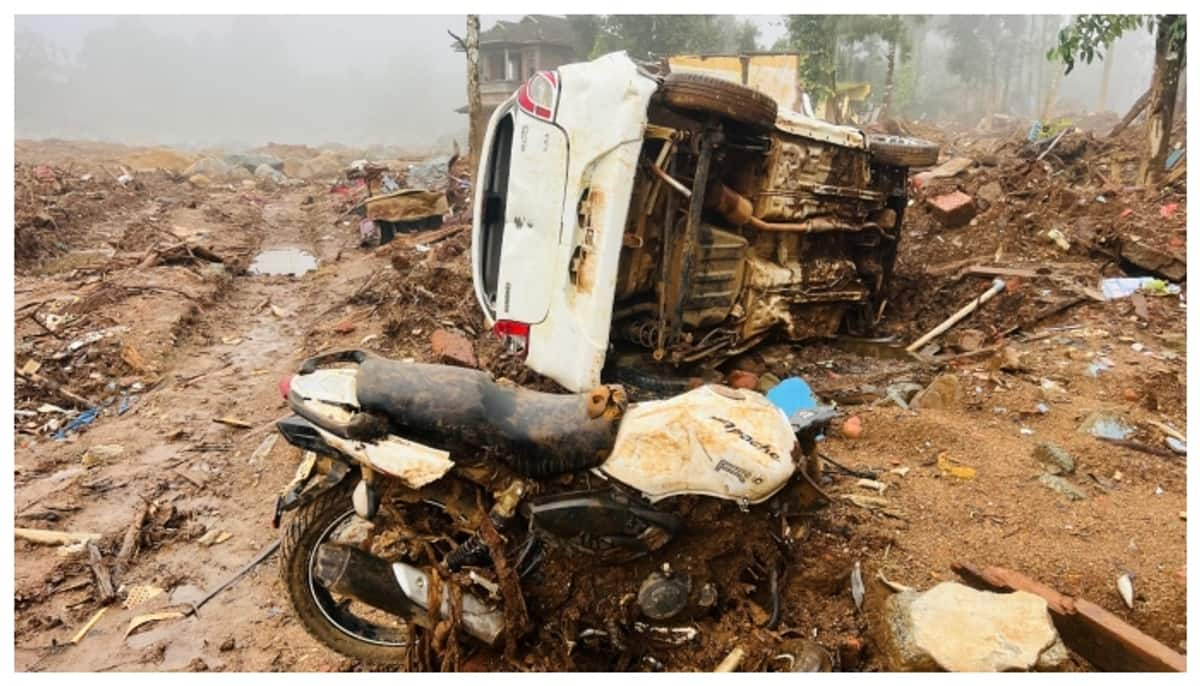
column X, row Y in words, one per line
column 168, row 341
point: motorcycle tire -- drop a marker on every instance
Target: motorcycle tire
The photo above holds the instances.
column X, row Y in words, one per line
column 303, row 531
column 901, row 151
column 700, row 93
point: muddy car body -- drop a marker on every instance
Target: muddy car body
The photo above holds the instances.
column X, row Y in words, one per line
column 681, row 218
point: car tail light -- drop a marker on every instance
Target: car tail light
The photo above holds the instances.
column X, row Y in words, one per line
column 285, row 386
column 539, row 94
column 515, row 336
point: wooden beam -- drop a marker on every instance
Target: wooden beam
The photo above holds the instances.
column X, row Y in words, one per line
column 1099, row 636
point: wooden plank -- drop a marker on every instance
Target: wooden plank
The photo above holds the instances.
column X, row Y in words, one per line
column 1102, row 638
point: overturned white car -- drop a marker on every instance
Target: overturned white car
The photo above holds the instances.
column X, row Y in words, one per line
column 676, row 221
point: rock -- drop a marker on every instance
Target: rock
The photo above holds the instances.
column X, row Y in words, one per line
column 952, row 209
column 1158, row 262
column 902, row 393
column 991, row 192
column 251, row 162
column 954, row 628
column 240, row 174
column 1009, row 360
column 212, row 168
column 199, row 180
column 1105, row 425
column 347, row 325
column 967, row 340
column 1057, row 483
column 452, row 348
column 766, row 382
column 740, row 378
column 941, row 393
column 266, row 171
column 1055, row 459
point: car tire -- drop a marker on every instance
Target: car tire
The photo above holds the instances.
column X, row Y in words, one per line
column 700, row 93
column 901, row 151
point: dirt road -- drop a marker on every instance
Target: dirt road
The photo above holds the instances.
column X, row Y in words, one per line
column 225, row 363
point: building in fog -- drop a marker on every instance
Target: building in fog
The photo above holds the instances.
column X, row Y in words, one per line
column 511, row 51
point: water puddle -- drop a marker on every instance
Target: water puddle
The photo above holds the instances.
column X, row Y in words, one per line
column 880, row 348
column 279, row 261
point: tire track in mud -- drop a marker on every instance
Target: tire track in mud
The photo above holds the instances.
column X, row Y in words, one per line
column 227, row 366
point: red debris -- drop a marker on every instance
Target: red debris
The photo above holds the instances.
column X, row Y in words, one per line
column 44, row 174
column 952, row 209
column 740, row 378
column 1169, row 209
column 452, row 348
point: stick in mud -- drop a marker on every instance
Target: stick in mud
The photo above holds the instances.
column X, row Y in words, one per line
column 997, row 286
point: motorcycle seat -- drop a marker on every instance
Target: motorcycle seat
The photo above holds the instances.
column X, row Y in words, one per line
column 541, row 433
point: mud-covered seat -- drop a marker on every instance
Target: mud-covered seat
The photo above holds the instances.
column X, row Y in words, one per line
column 541, row 433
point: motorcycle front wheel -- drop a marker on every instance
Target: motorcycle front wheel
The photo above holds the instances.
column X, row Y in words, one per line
column 347, row 626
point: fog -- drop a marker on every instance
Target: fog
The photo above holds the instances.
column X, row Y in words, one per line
column 394, row 80
column 198, row 80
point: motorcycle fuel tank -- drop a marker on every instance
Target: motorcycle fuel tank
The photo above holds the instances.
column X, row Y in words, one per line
column 714, row 441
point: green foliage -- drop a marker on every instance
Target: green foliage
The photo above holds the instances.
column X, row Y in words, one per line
column 816, row 37
column 1088, row 35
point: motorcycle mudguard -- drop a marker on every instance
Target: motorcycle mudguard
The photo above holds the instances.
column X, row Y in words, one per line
column 303, row 489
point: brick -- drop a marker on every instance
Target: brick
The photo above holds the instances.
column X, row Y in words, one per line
column 952, row 209
column 451, row 348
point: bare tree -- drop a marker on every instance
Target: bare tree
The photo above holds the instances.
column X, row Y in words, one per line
column 1163, row 88
column 474, row 107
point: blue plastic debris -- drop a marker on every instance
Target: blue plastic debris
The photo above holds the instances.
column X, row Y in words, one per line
column 1173, row 157
column 81, row 420
column 1177, row 445
column 1035, row 131
column 126, row 402
column 791, row 395
column 1123, row 287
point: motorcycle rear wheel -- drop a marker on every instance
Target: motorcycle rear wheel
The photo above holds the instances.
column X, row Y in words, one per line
column 325, row 618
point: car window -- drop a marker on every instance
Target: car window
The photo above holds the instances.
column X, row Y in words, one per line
column 495, row 193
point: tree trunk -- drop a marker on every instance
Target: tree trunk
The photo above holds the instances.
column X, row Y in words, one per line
column 1161, row 112
column 1105, row 78
column 474, row 107
column 889, row 81
column 1134, row 111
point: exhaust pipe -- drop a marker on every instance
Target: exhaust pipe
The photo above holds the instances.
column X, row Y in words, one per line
column 398, row 588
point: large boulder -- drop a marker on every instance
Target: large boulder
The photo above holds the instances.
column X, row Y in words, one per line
column 252, row 161
column 954, row 628
column 266, row 171
column 210, row 167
